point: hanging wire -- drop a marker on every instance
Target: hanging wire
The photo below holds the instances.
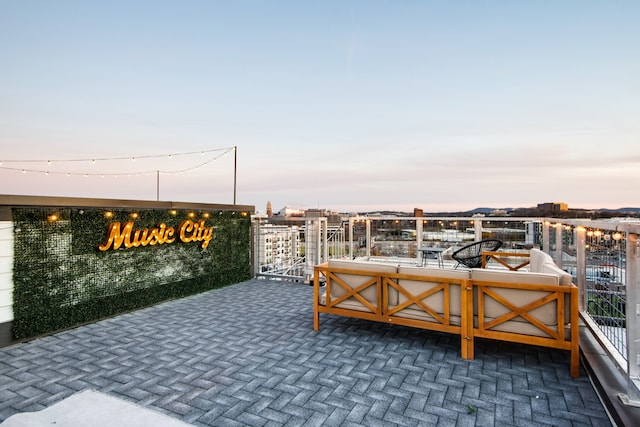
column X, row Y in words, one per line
column 201, row 164
column 101, row 159
column 103, row 174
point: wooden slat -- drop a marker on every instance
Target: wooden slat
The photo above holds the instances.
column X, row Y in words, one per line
column 499, row 257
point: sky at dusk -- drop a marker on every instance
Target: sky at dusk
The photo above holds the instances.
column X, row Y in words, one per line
column 345, row 105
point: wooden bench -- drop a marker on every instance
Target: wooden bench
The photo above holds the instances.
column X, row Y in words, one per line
column 538, row 308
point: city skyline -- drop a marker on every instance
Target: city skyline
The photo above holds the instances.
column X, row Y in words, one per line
column 349, row 106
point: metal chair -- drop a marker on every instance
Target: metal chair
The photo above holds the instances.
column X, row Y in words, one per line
column 471, row 255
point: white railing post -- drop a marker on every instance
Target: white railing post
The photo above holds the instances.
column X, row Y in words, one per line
column 581, row 265
column 546, row 244
column 325, row 226
column 559, row 245
column 368, row 239
column 632, row 398
column 350, row 238
column 318, row 226
column 312, row 246
column 419, row 254
column 477, row 230
column 255, row 253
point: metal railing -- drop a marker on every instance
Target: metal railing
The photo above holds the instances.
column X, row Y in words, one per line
column 602, row 256
column 290, row 251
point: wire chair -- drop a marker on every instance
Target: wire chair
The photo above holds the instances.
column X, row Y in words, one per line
column 471, row 255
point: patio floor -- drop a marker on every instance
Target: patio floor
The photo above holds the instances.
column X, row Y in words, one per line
column 247, row 355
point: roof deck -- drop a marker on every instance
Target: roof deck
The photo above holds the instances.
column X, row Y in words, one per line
column 247, row 355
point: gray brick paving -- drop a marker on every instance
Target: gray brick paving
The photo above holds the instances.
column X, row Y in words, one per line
column 247, row 355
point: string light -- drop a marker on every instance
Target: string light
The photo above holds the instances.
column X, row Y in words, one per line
column 225, row 151
column 94, row 159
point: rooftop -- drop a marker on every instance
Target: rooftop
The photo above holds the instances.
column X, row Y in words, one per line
column 247, row 355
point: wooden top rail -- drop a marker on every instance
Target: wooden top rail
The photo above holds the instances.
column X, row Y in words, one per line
column 502, row 259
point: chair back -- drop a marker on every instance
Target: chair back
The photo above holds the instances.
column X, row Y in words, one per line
column 471, row 254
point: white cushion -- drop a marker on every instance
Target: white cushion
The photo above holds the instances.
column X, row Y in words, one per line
column 537, row 259
column 563, row 277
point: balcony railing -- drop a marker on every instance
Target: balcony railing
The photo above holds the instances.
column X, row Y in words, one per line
column 289, row 252
column 602, row 256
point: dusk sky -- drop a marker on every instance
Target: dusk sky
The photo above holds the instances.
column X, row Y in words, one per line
column 345, row 105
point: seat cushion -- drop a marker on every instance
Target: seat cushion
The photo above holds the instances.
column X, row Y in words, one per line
column 508, row 276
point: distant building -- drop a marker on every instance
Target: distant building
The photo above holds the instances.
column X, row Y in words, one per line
column 279, row 246
column 269, row 210
column 332, row 216
column 292, row 216
column 418, row 213
column 533, row 233
column 553, row 207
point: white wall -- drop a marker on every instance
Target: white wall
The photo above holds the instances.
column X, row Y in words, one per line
column 6, row 271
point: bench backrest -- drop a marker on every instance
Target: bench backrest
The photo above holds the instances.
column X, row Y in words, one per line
column 493, row 309
column 356, row 280
column 416, row 287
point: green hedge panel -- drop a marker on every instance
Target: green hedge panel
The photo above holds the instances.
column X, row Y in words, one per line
column 61, row 279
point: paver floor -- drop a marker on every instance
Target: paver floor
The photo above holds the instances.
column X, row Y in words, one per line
column 247, row 355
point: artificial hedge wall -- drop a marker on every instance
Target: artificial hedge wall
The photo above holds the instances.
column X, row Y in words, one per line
column 62, row 279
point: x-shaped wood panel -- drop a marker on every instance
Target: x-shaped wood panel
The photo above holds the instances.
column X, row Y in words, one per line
column 352, row 292
column 522, row 311
column 417, row 300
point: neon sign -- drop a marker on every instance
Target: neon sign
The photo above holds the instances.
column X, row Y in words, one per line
column 188, row 231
